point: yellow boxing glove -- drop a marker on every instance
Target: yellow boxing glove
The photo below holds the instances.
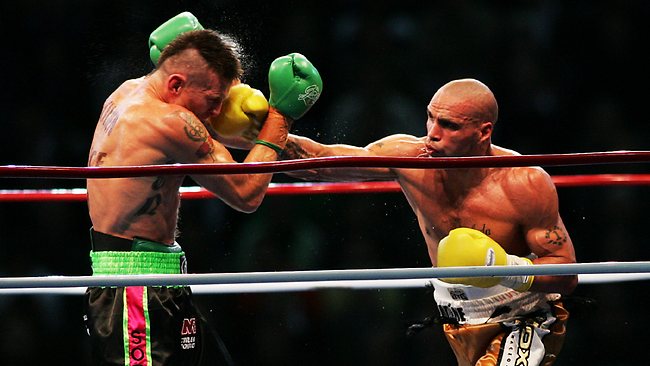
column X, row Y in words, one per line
column 242, row 113
column 470, row 247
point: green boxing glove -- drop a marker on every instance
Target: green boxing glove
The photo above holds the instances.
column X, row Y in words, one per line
column 294, row 84
column 169, row 30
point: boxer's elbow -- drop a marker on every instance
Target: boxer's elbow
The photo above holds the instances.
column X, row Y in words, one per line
column 249, row 201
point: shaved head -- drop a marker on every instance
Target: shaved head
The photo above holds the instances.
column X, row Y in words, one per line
column 470, row 97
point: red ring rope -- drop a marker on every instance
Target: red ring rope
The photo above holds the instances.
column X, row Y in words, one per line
column 79, row 194
column 23, row 171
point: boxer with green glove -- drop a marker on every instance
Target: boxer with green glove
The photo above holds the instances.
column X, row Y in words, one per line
column 295, row 85
column 469, row 247
column 169, row 30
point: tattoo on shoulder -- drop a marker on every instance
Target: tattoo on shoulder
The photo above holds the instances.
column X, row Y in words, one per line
column 556, row 236
column 196, row 131
column 206, row 148
column 109, row 117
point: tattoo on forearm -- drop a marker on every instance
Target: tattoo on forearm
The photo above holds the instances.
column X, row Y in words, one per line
column 294, row 151
column 109, row 117
column 151, row 204
column 556, row 236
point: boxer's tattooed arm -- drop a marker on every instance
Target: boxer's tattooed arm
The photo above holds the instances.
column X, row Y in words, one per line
column 153, row 202
column 195, row 131
column 193, row 128
column 294, row 151
column 206, row 149
column 556, row 236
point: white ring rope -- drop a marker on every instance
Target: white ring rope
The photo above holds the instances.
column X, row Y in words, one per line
column 269, row 287
column 343, row 278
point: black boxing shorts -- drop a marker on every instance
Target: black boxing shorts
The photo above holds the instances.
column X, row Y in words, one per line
column 144, row 325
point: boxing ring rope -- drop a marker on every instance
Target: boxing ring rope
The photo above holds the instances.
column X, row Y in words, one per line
column 283, row 281
column 312, row 188
column 600, row 272
column 608, row 157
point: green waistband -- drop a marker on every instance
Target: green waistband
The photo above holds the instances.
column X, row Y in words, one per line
column 132, row 263
column 144, row 245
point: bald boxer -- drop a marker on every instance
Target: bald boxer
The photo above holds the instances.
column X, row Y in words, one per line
column 486, row 216
column 166, row 118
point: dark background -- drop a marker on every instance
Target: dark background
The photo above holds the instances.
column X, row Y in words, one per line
column 569, row 77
